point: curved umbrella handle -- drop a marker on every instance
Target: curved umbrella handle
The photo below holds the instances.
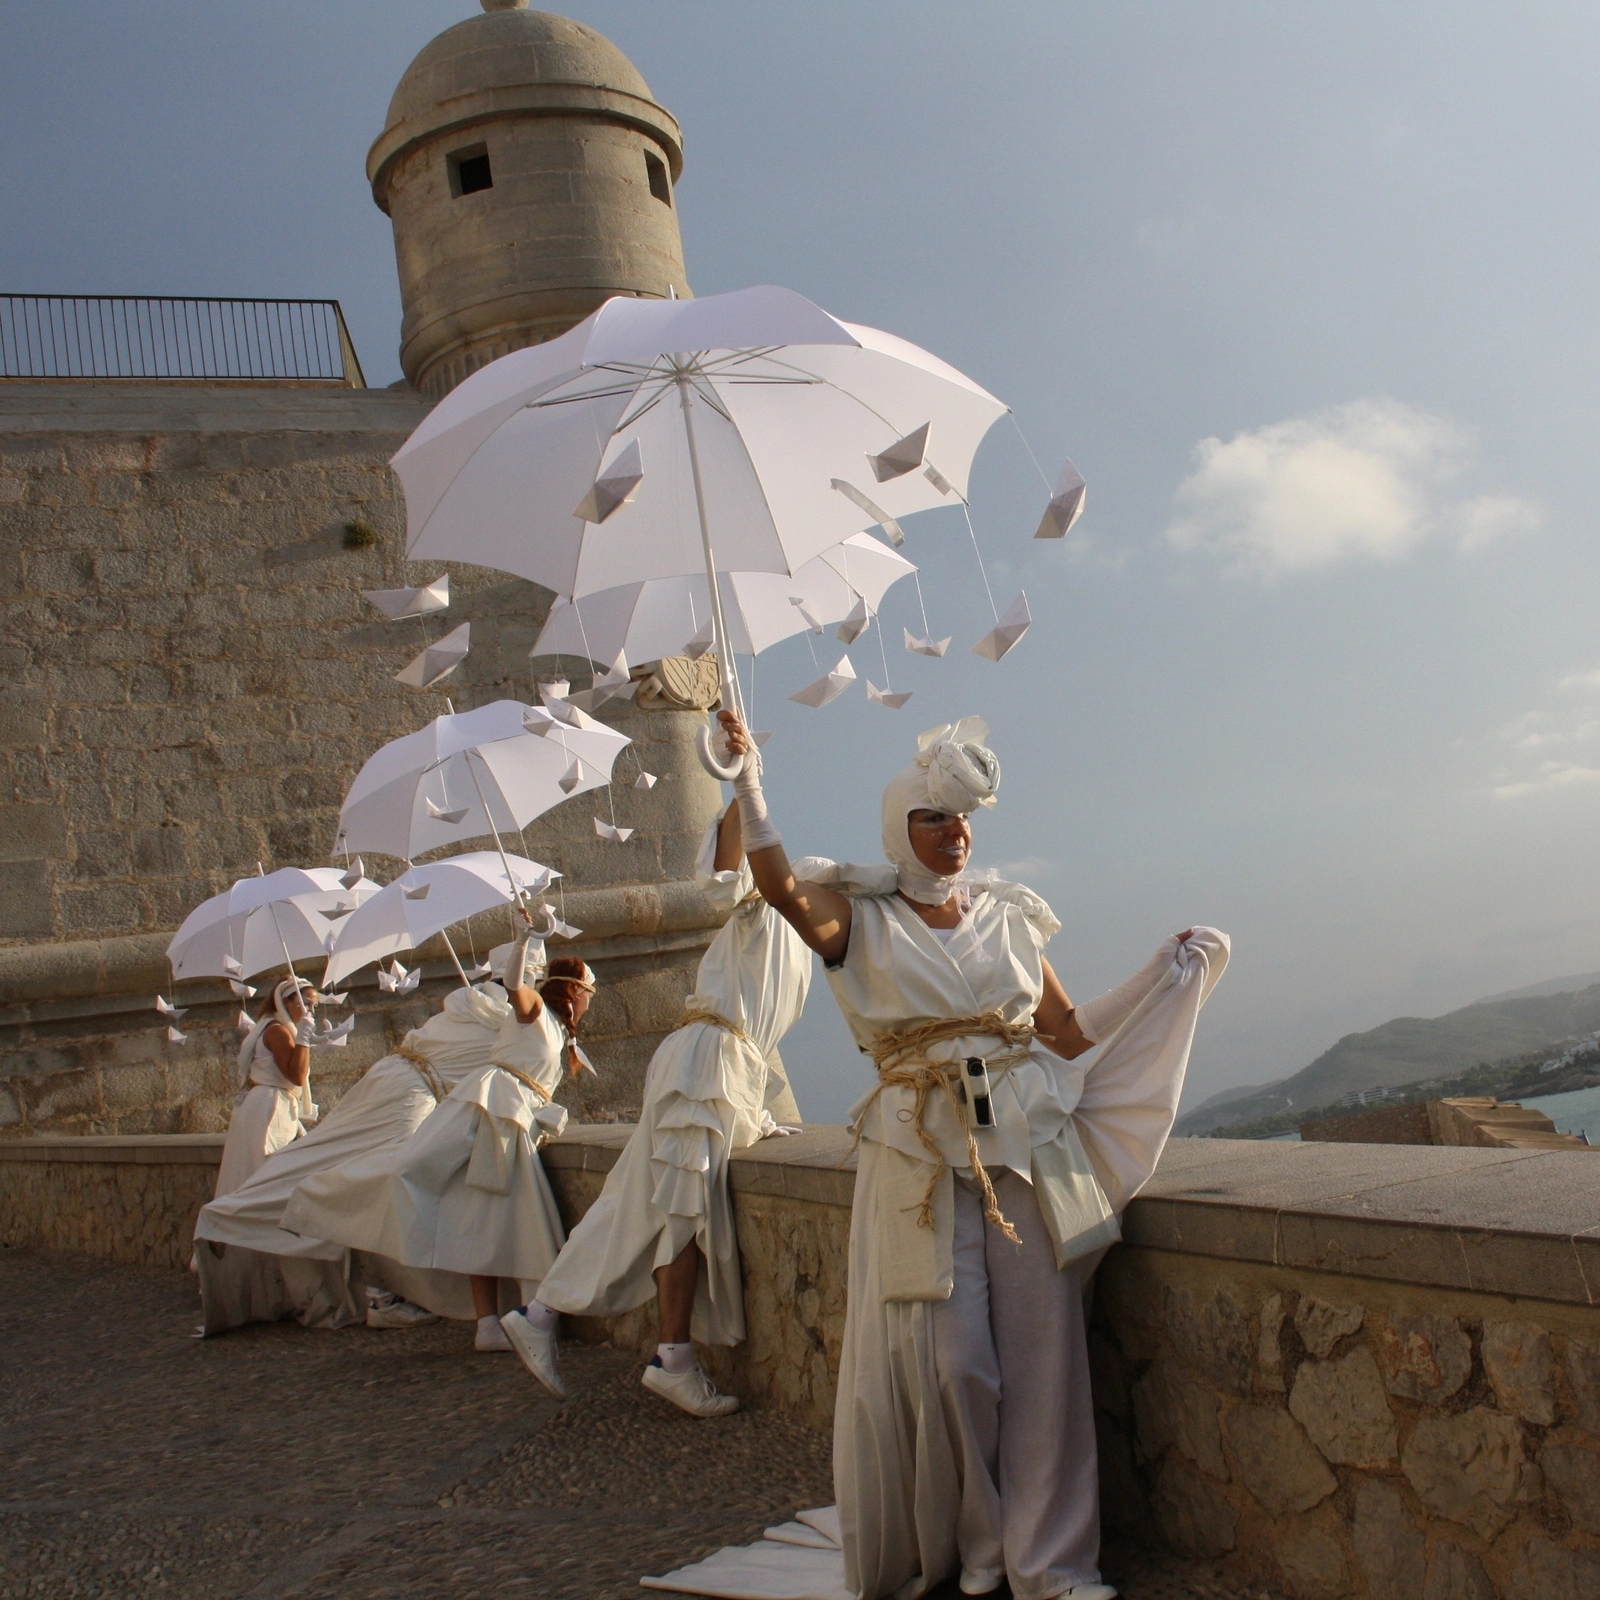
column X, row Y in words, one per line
column 702, row 741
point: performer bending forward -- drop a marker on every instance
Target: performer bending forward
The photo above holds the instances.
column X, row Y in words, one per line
column 991, row 1174
column 467, row 1193
column 663, row 1224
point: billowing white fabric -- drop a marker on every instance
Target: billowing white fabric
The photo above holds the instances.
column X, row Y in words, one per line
column 898, row 1434
column 269, row 1113
column 707, row 1093
column 253, row 1270
column 466, row 1192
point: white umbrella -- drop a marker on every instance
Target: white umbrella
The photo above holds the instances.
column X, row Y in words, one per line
column 646, row 621
column 470, row 773
column 268, row 921
column 660, row 438
column 428, row 899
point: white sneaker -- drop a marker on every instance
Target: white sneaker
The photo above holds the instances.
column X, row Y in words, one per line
column 980, row 1582
column 491, row 1336
column 1089, row 1591
column 385, row 1310
column 692, row 1391
column 537, row 1349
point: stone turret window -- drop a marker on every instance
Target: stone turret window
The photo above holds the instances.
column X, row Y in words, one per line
column 656, row 169
column 469, row 170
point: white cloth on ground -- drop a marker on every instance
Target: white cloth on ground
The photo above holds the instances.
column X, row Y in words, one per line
column 466, row 1191
column 801, row 1560
column 707, row 1094
column 253, row 1270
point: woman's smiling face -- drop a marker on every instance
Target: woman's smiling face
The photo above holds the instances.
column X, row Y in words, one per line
column 940, row 840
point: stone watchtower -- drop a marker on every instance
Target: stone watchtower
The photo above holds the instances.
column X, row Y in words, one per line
column 529, row 175
column 189, row 677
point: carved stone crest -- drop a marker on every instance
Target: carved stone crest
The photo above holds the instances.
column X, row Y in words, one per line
column 679, row 683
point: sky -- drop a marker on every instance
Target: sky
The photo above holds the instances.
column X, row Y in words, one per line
column 1307, row 293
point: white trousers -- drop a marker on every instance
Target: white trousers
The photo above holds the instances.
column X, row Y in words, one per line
column 1013, row 1378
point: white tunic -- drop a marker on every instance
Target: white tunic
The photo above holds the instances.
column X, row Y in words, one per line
column 269, row 1113
column 466, row 1192
column 251, row 1269
column 707, row 1093
column 1085, row 1138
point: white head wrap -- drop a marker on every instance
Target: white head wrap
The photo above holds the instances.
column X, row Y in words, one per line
column 278, row 1013
column 533, row 972
column 954, row 772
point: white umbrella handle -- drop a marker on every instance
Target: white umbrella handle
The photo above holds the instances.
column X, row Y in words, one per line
column 727, row 773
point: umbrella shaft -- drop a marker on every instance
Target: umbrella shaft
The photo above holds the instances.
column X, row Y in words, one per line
column 516, row 888
column 730, row 682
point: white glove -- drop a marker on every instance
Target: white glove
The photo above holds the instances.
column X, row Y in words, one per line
column 755, row 827
column 1101, row 1017
column 517, row 963
column 305, row 1032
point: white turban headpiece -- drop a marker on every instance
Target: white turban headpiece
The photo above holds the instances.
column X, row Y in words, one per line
column 953, row 771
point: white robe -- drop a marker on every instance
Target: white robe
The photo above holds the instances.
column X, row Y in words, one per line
column 251, row 1269
column 466, row 1192
column 269, row 1113
column 707, row 1093
column 923, row 1445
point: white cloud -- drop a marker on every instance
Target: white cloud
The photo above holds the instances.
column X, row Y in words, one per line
column 1362, row 481
column 1553, row 747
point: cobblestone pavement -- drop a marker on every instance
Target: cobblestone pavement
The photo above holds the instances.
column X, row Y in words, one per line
column 275, row 1462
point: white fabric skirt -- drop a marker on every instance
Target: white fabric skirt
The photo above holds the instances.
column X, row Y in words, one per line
column 264, row 1119
column 416, row 1203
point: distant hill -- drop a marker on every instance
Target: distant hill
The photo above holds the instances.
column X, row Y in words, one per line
column 1580, row 980
column 1410, row 1049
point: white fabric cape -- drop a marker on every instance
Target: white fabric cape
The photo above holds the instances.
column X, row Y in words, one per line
column 251, row 1269
column 894, row 1458
column 707, row 1093
column 466, row 1192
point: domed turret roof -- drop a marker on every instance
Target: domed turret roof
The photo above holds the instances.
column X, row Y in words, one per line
column 508, row 62
column 507, row 49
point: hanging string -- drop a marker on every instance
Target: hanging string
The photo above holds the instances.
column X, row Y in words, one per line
column 1049, row 487
column 916, row 578
column 877, row 626
column 979, row 554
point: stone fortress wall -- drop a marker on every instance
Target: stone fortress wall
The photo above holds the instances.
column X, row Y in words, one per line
column 192, row 679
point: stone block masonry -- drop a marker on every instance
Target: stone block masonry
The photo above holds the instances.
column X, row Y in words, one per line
column 189, row 680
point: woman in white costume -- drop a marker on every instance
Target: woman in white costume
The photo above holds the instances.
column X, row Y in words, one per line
column 992, row 1170
column 253, row 1270
column 275, row 1103
column 466, row 1192
column 663, row 1224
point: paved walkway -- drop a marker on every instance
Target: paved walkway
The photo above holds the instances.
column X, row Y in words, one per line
column 276, row 1462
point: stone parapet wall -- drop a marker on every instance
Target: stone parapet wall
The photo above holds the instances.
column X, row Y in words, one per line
column 190, row 679
column 1349, row 1372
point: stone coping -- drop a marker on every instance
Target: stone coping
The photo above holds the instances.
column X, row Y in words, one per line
column 614, row 920
column 126, row 405
column 1510, row 1222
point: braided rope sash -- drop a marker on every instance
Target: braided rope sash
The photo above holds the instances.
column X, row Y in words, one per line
column 902, row 1062
column 424, row 1070
column 533, row 1087
column 715, row 1019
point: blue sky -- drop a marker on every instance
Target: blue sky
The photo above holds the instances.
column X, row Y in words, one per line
column 1307, row 294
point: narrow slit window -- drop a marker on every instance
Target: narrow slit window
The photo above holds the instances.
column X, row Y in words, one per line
column 469, row 170
column 656, row 168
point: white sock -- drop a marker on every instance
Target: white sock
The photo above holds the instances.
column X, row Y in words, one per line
column 676, row 1357
column 540, row 1315
column 488, row 1322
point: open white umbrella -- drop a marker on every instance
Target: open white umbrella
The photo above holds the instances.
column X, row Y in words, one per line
column 426, row 900
column 645, row 621
column 268, row 921
column 470, row 773
column 743, row 432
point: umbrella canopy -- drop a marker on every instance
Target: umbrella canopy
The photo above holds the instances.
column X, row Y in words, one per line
column 492, row 770
column 646, row 621
column 428, row 899
column 606, row 456
column 291, row 914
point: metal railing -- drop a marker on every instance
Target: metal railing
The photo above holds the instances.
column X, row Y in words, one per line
column 162, row 336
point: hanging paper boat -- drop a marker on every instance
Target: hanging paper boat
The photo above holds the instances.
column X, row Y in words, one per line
column 828, row 687
column 882, row 697
column 1011, row 627
column 925, row 647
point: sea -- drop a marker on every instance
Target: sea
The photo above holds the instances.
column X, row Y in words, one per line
column 1575, row 1112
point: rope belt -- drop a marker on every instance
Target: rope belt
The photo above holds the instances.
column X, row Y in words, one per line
column 531, row 1085
column 424, row 1070
column 902, row 1062
column 715, row 1019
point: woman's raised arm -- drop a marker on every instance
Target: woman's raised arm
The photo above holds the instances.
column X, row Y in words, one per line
column 821, row 916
